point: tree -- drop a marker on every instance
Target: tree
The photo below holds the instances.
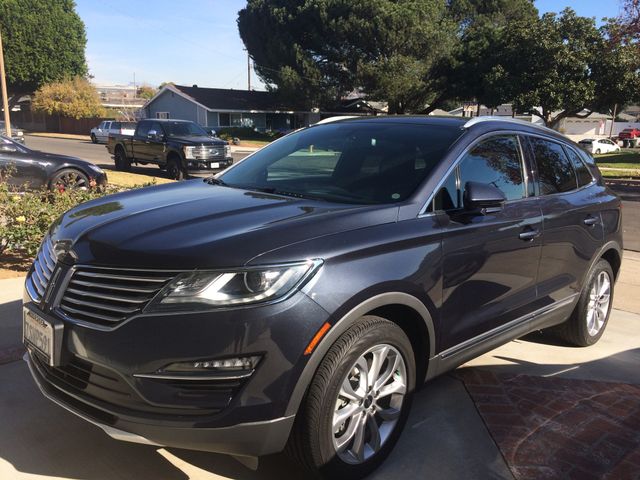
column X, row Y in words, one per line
column 44, row 42
column 146, row 91
column 317, row 51
column 549, row 67
column 75, row 98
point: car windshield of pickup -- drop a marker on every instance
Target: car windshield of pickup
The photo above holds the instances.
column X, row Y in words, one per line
column 347, row 162
column 183, row 129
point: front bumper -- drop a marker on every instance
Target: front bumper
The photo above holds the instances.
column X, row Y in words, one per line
column 209, row 165
column 97, row 381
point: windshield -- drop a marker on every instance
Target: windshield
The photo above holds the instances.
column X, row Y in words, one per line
column 183, row 129
column 351, row 162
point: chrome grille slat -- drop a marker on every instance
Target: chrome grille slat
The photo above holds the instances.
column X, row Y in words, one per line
column 119, row 288
column 41, row 271
column 106, row 296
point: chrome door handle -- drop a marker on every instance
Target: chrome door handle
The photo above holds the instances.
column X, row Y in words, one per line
column 529, row 235
column 590, row 221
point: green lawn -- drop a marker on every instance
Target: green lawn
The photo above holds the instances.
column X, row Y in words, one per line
column 624, row 164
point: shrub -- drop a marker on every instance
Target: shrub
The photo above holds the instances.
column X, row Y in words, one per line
column 25, row 217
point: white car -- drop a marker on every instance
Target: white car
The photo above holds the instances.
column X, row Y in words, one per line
column 101, row 132
column 597, row 146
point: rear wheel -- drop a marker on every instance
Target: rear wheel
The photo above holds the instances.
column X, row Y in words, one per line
column 123, row 164
column 590, row 317
column 357, row 403
column 69, row 179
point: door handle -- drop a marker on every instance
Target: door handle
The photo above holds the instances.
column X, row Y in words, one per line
column 528, row 235
column 590, row 221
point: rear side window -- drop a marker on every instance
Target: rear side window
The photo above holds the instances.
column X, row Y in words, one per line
column 497, row 162
column 582, row 172
column 555, row 172
column 115, row 125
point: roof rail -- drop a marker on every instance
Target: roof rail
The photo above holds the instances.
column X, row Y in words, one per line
column 336, row 119
column 494, row 118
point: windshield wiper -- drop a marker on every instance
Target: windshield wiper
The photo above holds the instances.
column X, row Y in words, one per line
column 216, row 181
column 285, row 193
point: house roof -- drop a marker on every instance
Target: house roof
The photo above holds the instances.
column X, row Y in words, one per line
column 237, row 100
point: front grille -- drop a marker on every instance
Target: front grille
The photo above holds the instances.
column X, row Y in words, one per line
column 108, row 391
column 106, row 296
column 42, row 270
column 206, row 153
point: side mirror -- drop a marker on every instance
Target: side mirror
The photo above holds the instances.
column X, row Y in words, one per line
column 483, row 197
column 152, row 134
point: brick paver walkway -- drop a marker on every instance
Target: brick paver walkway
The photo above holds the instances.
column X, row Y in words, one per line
column 554, row 428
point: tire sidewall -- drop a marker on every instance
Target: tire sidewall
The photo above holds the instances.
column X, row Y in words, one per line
column 174, row 171
column 583, row 304
column 323, row 450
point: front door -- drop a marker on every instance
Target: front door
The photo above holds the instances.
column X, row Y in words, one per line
column 19, row 169
column 490, row 259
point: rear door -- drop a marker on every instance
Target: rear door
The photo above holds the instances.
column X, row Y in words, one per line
column 139, row 141
column 571, row 219
column 490, row 261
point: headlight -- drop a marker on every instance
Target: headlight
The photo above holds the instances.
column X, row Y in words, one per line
column 204, row 290
column 227, row 150
column 19, row 133
column 188, row 153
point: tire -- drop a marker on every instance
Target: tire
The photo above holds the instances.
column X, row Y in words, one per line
column 314, row 442
column 598, row 152
column 69, row 179
column 93, row 138
column 588, row 321
column 175, row 170
column 123, row 164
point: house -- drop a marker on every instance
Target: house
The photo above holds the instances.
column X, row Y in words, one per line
column 220, row 107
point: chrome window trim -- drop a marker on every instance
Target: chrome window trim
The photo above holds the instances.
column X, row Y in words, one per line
column 456, row 163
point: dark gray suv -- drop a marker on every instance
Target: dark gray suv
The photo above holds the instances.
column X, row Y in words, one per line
column 298, row 299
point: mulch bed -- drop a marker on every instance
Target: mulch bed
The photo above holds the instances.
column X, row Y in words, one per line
column 556, row 428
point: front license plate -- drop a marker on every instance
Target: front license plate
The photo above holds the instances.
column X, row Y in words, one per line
column 40, row 334
column 215, row 165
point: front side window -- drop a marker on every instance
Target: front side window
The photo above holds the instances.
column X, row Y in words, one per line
column 183, row 129
column 497, row 162
column 555, row 173
column 350, row 162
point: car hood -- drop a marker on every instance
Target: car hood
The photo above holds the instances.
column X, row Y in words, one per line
column 197, row 225
column 202, row 140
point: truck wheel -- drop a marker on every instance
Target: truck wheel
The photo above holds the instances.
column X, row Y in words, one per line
column 357, row 403
column 93, row 138
column 598, row 152
column 175, row 170
column 123, row 164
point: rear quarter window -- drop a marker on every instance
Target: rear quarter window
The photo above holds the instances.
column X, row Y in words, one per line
column 555, row 172
column 582, row 171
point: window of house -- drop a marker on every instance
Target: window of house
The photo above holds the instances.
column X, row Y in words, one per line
column 164, row 115
column 555, row 173
column 224, row 120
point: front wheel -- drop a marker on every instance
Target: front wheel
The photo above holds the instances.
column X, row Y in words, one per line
column 69, row 179
column 94, row 139
column 357, row 403
column 174, row 170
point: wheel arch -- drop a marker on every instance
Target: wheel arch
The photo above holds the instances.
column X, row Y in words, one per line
column 405, row 310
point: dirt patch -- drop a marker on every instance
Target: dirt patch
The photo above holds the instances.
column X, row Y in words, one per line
column 13, row 265
column 556, row 428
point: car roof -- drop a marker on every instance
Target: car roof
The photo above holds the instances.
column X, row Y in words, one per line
column 167, row 120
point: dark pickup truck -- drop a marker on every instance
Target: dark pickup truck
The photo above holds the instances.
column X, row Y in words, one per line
column 179, row 146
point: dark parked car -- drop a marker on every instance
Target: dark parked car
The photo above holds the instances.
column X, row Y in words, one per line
column 24, row 168
column 179, row 146
column 17, row 133
column 298, row 299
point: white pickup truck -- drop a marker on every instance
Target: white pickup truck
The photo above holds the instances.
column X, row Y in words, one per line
column 101, row 132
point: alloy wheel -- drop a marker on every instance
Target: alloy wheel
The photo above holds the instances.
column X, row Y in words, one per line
column 369, row 403
column 598, row 307
column 71, row 180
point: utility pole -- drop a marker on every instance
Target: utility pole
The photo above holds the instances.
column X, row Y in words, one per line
column 613, row 119
column 5, row 99
column 248, row 71
column 135, row 90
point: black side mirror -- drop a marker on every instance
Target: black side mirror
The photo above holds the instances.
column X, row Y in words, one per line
column 7, row 148
column 483, row 197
